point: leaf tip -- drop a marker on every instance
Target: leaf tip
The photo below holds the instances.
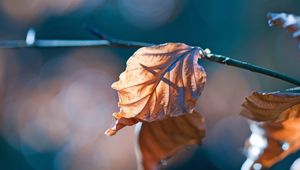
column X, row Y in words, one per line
column 114, row 85
column 110, row 132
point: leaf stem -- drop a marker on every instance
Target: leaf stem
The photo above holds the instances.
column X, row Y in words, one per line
column 106, row 41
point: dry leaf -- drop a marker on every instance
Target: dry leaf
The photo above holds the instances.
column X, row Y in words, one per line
column 278, row 133
column 271, row 106
column 159, row 81
column 287, row 21
column 282, row 139
column 160, row 140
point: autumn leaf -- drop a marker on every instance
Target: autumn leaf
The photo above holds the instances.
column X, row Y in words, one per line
column 281, row 139
column 287, row 21
column 278, row 115
column 159, row 82
column 160, row 140
column 272, row 106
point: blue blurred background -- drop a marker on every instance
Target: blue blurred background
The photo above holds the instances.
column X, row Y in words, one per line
column 56, row 103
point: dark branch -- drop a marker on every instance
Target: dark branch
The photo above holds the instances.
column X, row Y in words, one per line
column 117, row 42
column 97, row 33
column 246, row 66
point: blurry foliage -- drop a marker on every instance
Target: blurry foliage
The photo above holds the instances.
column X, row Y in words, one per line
column 275, row 130
column 56, row 103
column 289, row 22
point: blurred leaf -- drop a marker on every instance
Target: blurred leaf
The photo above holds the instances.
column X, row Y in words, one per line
column 279, row 125
column 288, row 21
column 159, row 81
column 160, row 140
column 282, row 139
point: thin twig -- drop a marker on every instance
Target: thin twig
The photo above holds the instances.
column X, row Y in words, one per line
column 117, row 42
column 31, row 42
column 53, row 43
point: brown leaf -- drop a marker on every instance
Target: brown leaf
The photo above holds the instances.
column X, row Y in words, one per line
column 283, row 138
column 278, row 133
column 159, row 81
column 287, row 21
column 160, row 140
column 271, row 106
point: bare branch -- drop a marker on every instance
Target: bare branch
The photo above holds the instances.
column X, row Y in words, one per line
column 32, row 42
column 247, row 66
column 117, row 42
column 106, row 41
